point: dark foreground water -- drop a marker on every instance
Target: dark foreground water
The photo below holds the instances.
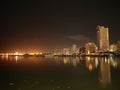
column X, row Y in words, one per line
column 59, row 73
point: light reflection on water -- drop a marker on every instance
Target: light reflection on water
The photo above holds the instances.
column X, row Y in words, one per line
column 104, row 72
column 66, row 68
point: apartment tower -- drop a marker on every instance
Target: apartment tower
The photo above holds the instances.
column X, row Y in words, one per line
column 103, row 38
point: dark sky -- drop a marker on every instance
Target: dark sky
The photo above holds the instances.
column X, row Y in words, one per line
column 41, row 25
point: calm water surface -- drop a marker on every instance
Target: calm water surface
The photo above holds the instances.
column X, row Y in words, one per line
column 59, row 73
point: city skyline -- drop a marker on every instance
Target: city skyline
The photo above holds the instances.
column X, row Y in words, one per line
column 36, row 26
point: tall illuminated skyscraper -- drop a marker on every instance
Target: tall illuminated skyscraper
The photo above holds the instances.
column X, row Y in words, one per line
column 103, row 38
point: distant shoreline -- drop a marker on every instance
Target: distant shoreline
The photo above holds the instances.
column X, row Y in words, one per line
column 80, row 55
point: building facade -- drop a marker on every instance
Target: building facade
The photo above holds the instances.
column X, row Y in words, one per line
column 74, row 49
column 113, row 48
column 66, row 51
column 90, row 47
column 103, row 38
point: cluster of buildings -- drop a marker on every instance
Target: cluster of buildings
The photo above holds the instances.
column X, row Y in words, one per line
column 102, row 45
column 90, row 47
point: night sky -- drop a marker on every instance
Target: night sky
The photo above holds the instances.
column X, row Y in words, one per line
column 46, row 25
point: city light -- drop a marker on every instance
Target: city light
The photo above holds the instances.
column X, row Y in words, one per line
column 16, row 53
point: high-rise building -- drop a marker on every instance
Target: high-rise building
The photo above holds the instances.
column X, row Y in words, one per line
column 74, row 49
column 103, row 38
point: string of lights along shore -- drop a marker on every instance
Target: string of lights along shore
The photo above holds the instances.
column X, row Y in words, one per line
column 90, row 48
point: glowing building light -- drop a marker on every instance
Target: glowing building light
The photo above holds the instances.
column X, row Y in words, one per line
column 16, row 53
column 88, row 52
